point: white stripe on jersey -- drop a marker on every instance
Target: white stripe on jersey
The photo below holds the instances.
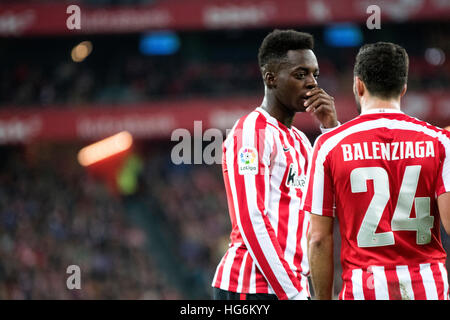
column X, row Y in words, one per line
column 358, row 293
column 343, row 291
column 253, row 279
column 444, row 279
column 276, row 180
column 293, row 222
column 227, row 266
column 380, row 283
column 404, row 279
column 304, row 245
column 428, row 281
column 241, row 272
column 403, row 284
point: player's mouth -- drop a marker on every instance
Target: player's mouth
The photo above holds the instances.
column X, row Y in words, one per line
column 302, row 101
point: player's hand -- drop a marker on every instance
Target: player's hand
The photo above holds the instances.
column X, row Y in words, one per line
column 321, row 104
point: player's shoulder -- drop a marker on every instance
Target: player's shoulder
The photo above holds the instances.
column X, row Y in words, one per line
column 391, row 121
column 247, row 125
column 427, row 128
column 252, row 118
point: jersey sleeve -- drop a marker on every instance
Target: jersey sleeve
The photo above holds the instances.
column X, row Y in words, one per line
column 247, row 158
column 443, row 183
column 319, row 196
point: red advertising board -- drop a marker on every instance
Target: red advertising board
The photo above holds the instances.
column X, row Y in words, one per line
column 159, row 120
column 51, row 18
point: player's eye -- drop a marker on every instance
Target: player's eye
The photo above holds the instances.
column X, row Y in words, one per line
column 316, row 76
column 301, row 75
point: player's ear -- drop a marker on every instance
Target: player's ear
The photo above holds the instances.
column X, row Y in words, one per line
column 270, row 79
column 269, row 76
column 360, row 87
column 405, row 87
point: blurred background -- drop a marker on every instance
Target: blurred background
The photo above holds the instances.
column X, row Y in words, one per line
column 138, row 225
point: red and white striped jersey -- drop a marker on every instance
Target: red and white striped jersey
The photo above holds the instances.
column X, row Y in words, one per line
column 264, row 169
column 380, row 175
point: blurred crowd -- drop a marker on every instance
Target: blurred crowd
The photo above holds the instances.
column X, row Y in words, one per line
column 53, row 215
column 195, row 207
column 135, row 79
column 207, row 65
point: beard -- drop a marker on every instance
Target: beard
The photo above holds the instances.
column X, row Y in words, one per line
column 357, row 100
column 358, row 105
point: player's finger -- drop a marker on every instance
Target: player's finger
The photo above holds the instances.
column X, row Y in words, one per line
column 317, row 96
column 314, row 92
column 321, row 106
column 320, row 99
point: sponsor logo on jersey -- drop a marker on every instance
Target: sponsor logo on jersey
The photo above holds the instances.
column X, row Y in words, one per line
column 294, row 180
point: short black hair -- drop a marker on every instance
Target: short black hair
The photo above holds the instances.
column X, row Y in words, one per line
column 276, row 44
column 383, row 67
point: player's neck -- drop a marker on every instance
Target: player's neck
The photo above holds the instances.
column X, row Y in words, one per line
column 271, row 105
column 371, row 104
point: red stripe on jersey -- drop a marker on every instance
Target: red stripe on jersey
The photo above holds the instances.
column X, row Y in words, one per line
column 328, row 197
column 297, row 157
column 283, row 204
column 417, row 283
column 393, row 284
column 261, row 282
column 247, row 274
column 347, row 290
column 303, row 150
column 220, row 270
column 440, row 187
column 299, row 252
column 308, row 200
column 235, row 235
column 235, row 268
column 348, row 294
column 437, row 275
column 298, row 257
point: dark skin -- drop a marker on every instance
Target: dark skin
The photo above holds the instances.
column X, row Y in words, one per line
column 292, row 87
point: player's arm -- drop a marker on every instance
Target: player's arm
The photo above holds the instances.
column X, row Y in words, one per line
column 443, row 187
column 250, row 190
column 319, row 200
column 444, row 210
column 320, row 254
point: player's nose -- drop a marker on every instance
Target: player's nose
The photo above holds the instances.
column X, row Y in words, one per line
column 311, row 82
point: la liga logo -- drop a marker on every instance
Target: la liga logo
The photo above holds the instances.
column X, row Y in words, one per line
column 248, row 160
column 248, row 156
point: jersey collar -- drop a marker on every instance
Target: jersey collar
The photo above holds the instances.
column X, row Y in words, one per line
column 381, row 110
